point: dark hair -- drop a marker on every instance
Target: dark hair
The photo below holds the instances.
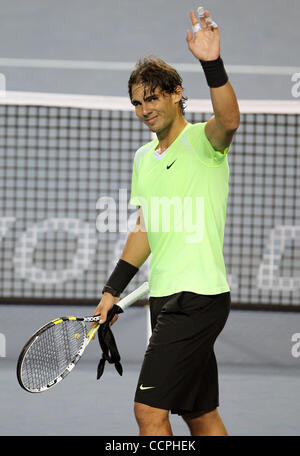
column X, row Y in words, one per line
column 153, row 72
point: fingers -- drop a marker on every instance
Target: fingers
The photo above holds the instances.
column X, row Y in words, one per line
column 104, row 307
column 209, row 22
column 195, row 23
column 201, row 14
column 189, row 36
column 206, row 22
column 196, row 28
column 113, row 320
column 110, row 323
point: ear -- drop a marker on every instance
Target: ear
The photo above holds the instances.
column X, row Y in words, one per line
column 177, row 94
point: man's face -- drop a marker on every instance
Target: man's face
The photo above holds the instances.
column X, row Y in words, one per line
column 156, row 109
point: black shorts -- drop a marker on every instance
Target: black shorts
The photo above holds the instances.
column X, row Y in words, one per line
column 179, row 372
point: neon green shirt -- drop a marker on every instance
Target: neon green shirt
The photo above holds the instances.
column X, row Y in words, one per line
column 183, row 194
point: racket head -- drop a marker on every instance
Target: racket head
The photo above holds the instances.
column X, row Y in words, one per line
column 54, row 350
column 51, row 353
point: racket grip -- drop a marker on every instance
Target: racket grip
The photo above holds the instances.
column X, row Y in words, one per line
column 134, row 296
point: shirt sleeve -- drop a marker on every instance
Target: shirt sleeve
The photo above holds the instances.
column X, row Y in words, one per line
column 203, row 148
column 134, row 200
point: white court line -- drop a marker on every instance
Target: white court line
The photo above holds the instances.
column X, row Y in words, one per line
column 128, row 66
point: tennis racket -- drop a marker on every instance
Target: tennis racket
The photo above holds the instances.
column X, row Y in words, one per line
column 55, row 349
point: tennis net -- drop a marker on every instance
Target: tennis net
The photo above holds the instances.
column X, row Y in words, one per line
column 65, row 171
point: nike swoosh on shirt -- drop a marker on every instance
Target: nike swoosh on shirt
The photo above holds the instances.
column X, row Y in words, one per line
column 169, row 166
column 146, row 387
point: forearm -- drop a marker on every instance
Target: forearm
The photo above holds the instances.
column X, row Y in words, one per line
column 220, row 128
column 226, row 108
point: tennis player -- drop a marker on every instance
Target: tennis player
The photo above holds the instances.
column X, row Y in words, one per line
column 180, row 184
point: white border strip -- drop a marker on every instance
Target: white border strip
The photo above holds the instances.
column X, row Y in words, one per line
column 128, row 66
column 66, row 101
column 123, row 103
column 250, row 106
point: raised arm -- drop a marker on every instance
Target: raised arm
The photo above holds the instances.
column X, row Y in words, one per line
column 205, row 46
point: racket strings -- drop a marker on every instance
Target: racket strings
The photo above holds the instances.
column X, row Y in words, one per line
column 51, row 352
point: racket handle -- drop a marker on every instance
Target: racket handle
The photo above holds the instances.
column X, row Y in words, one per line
column 123, row 304
column 134, row 296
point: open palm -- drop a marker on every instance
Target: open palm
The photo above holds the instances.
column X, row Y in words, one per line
column 205, row 44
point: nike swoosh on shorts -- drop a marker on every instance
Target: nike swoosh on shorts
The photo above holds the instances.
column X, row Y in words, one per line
column 146, row 387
